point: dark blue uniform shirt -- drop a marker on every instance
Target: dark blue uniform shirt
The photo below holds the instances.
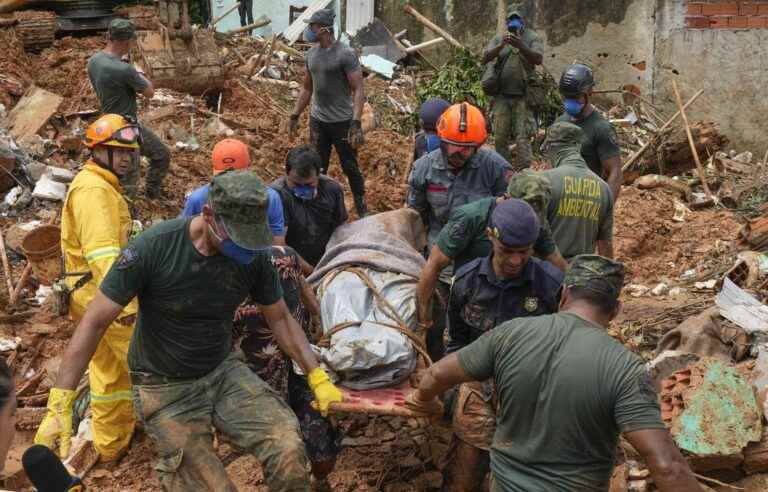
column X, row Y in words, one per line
column 479, row 301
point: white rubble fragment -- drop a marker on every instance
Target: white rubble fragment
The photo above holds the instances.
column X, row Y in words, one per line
column 637, row 290
column 660, row 289
column 708, row 285
column 7, row 344
column 48, row 189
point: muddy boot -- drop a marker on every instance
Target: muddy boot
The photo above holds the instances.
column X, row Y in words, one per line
column 360, row 206
column 466, row 467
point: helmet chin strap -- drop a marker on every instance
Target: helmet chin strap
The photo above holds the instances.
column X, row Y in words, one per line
column 109, row 167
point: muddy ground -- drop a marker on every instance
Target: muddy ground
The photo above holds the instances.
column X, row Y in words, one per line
column 379, row 454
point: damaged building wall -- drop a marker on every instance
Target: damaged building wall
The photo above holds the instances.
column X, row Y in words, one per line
column 646, row 43
column 727, row 62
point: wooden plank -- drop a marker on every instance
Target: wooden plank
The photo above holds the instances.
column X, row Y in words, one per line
column 432, row 26
column 292, row 32
column 32, row 113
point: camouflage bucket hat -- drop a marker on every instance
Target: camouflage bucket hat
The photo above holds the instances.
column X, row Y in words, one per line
column 596, row 273
column 240, row 200
column 514, row 9
column 121, row 29
column 532, row 187
column 563, row 134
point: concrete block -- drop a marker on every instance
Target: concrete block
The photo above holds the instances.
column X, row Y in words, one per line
column 711, row 411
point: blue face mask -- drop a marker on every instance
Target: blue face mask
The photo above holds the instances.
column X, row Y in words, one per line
column 304, row 192
column 573, row 107
column 309, row 35
column 514, row 24
column 231, row 250
column 433, row 143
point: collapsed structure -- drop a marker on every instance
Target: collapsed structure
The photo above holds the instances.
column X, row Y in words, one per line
column 678, row 248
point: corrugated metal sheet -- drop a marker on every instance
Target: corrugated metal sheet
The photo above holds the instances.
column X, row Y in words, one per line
column 359, row 15
column 292, row 32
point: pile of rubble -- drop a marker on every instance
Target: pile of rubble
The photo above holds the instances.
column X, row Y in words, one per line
column 698, row 275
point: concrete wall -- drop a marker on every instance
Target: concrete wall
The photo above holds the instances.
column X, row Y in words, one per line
column 647, row 43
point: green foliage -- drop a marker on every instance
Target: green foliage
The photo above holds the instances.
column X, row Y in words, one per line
column 458, row 80
column 554, row 102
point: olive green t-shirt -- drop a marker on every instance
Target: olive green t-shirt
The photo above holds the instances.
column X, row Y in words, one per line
column 115, row 83
column 187, row 301
column 600, row 141
column 514, row 74
column 581, row 210
column 566, row 390
column 463, row 237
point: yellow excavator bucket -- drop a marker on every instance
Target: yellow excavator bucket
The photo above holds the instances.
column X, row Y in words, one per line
column 177, row 56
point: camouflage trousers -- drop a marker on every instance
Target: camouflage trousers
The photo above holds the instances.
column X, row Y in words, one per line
column 159, row 159
column 179, row 416
column 467, row 462
column 512, row 120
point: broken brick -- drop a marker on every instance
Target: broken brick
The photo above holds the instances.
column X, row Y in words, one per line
column 731, row 8
column 693, row 9
column 755, row 21
column 719, row 22
column 697, row 22
column 762, row 9
column 748, row 8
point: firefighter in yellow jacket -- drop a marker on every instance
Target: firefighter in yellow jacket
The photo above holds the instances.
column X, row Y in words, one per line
column 95, row 226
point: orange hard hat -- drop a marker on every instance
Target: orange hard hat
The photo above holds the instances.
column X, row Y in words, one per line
column 462, row 124
column 230, row 153
column 112, row 130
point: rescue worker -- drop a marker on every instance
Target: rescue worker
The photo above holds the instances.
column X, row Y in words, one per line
column 465, row 237
column 245, row 9
column 231, row 153
column 263, row 355
column 600, row 147
column 190, row 275
column 95, row 226
column 508, row 283
column 581, row 210
column 7, row 411
column 333, row 81
column 313, row 203
column 459, row 172
column 427, row 139
column 116, row 84
column 516, row 53
column 566, row 389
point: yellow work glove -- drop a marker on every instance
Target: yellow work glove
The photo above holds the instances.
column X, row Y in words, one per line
column 325, row 391
column 58, row 421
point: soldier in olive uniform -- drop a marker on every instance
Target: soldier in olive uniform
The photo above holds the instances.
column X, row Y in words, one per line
column 517, row 52
column 486, row 292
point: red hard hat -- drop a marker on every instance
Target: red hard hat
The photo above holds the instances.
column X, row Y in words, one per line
column 230, row 153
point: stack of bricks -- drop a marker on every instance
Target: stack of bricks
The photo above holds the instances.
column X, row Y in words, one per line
column 718, row 14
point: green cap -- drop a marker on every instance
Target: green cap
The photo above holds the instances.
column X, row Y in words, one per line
column 596, row 273
column 534, row 188
column 121, row 29
column 239, row 199
column 563, row 133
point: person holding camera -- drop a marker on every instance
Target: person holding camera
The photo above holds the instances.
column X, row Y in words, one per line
column 516, row 55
